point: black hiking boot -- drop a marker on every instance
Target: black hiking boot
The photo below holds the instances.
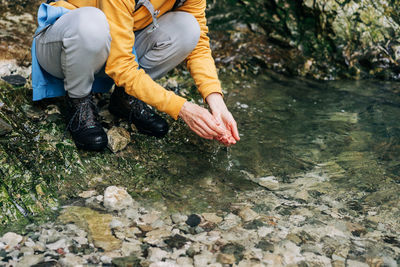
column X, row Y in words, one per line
column 137, row 112
column 84, row 126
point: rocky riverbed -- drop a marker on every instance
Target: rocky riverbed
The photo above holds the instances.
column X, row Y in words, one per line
column 262, row 228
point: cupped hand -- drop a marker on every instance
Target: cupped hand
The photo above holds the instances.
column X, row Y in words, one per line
column 201, row 121
column 231, row 135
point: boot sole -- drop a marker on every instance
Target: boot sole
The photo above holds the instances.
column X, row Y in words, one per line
column 92, row 147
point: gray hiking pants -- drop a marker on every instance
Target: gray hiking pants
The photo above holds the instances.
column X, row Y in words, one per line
column 76, row 47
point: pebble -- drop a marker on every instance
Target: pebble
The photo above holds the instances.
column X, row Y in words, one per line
column 157, row 254
column 178, row 218
column 116, row 198
column 87, row 194
column 270, row 182
column 193, row 220
column 118, row 139
column 71, row 260
column 247, row 214
column 212, row 217
column 230, row 221
column 11, row 240
column 29, row 260
column 226, row 258
column 58, row 244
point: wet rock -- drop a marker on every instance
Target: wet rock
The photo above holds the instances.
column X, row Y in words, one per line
column 204, row 259
column 62, row 243
column 176, row 241
column 11, row 240
column 118, row 139
column 265, row 246
column 30, row 260
column 226, row 258
column 5, row 128
column 156, row 236
column 116, row 198
column 193, row 220
column 71, row 260
column 96, row 224
column 130, row 261
column 270, row 182
column 230, row 221
column 233, row 249
column 184, row 261
column 247, row 214
column 157, row 254
column 87, row 194
column 354, row 263
column 129, row 248
column 212, row 217
column 178, row 218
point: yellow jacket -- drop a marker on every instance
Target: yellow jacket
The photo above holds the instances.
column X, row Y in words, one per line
column 121, row 65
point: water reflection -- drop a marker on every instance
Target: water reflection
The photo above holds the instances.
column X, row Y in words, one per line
column 348, row 130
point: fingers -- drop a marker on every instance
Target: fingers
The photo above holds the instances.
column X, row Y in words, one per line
column 234, row 130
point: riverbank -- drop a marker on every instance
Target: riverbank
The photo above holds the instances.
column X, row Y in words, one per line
column 262, row 228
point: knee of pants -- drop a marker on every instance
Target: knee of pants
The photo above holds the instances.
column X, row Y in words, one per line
column 187, row 31
column 90, row 30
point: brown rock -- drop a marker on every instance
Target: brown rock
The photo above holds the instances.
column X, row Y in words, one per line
column 95, row 223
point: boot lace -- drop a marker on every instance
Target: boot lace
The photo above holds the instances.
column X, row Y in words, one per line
column 139, row 109
column 85, row 115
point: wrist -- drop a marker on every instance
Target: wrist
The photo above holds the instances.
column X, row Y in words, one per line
column 215, row 102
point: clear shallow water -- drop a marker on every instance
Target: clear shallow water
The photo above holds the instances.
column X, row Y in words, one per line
column 346, row 133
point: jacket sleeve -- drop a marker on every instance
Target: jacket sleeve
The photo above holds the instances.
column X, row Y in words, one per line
column 200, row 62
column 121, row 65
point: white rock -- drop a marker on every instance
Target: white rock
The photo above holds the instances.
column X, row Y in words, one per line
column 289, row 251
column 56, row 245
column 264, row 231
column 204, row 259
column 156, row 254
column 115, row 223
column 10, row 240
column 230, row 221
column 87, row 194
column 247, row 214
column 269, row 182
column 80, row 240
column 316, row 260
column 184, row 262
column 129, row 247
column 212, row 217
column 71, row 260
column 116, row 198
column 150, row 217
column 30, row 260
column 178, row 218
column 106, row 259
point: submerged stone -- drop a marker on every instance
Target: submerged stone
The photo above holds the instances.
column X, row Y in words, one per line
column 130, row 261
column 176, row 241
column 117, row 198
column 193, row 220
column 95, row 223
